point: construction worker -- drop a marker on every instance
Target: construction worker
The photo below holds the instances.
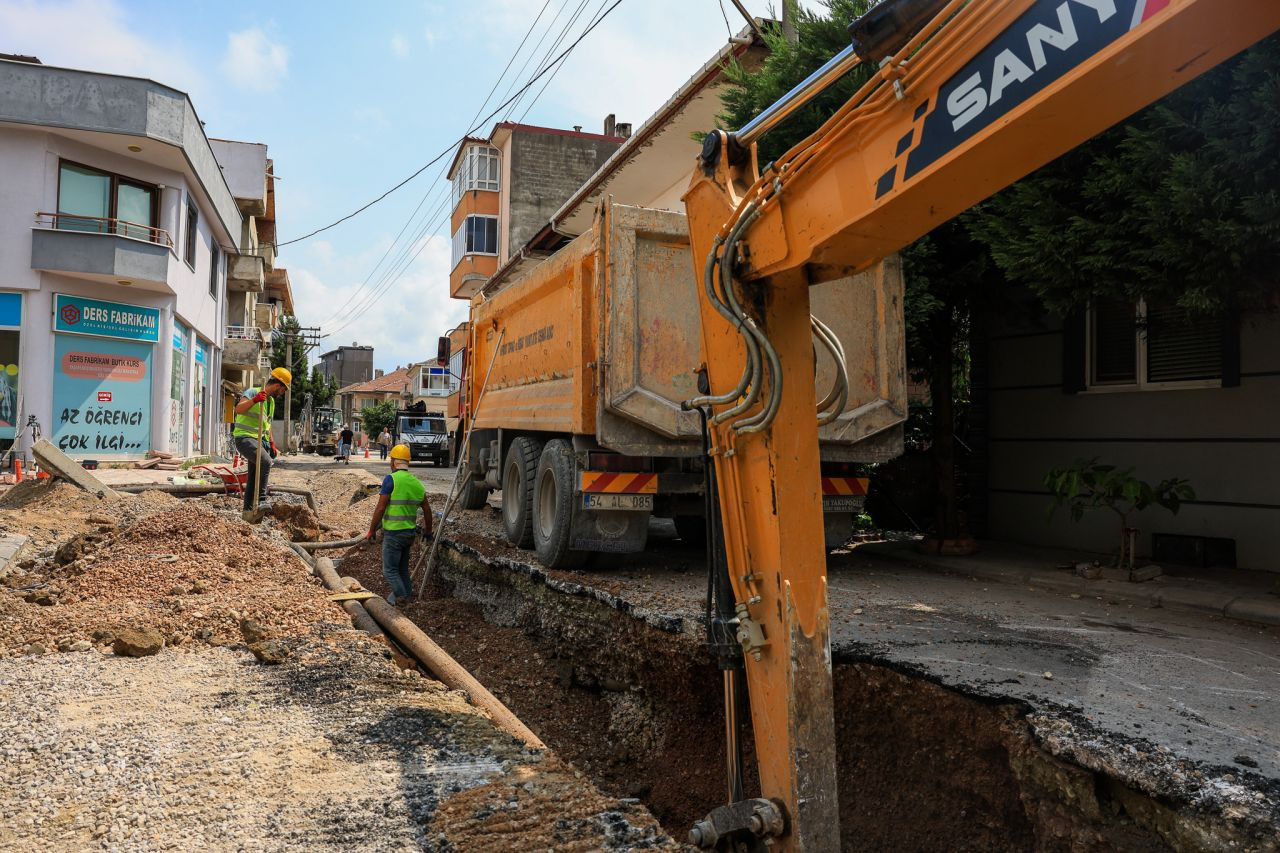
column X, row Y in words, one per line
column 254, row 413
column 397, row 515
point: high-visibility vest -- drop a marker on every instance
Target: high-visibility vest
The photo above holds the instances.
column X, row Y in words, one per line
column 248, row 422
column 407, row 493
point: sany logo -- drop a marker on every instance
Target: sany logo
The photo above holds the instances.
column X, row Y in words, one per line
column 70, row 314
column 976, row 93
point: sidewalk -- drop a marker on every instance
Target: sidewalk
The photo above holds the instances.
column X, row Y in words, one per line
column 1247, row 596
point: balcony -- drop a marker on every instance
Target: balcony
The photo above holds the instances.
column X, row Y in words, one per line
column 242, row 348
column 266, row 316
column 247, row 274
column 108, row 251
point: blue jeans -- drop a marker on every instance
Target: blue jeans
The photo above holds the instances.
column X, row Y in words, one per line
column 344, row 450
column 383, row 449
column 250, row 449
column 396, row 545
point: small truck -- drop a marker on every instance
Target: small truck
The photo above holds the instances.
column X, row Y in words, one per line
column 425, row 434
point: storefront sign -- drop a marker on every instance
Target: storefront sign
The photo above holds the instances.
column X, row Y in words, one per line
column 86, row 372
column 82, row 316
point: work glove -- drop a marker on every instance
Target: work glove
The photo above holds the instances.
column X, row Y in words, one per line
column 274, row 452
column 261, row 397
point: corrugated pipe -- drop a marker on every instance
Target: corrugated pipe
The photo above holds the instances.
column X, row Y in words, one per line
column 359, row 616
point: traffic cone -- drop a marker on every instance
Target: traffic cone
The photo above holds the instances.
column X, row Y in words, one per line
column 366, row 451
column 17, row 470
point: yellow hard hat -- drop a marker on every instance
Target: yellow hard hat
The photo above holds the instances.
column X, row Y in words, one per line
column 401, row 452
column 283, row 374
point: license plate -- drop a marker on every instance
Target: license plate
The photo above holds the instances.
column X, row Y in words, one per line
column 842, row 503
column 592, row 500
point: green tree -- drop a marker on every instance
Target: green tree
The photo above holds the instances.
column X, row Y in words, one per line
column 1180, row 204
column 378, row 416
column 945, row 271
column 289, row 326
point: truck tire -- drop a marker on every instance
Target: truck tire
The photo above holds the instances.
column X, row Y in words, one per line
column 556, row 485
column 517, row 490
column 473, row 495
column 692, row 529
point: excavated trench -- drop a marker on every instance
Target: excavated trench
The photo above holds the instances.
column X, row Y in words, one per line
column 633, row 700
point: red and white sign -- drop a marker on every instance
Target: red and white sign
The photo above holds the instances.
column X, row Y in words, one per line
column 104, row 396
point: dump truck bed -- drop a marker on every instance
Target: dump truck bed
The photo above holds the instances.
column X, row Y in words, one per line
column 602, row 340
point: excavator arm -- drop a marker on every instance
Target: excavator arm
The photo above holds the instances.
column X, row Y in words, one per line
column 968, row 97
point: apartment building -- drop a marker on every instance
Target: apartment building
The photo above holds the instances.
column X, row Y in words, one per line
column 348, row 365
column 507, row 185
column 258, row 292
column 118, row 234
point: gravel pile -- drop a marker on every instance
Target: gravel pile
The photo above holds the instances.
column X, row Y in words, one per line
column 335, row 749
column 193, row 571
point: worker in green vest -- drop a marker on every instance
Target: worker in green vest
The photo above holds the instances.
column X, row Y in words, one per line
column 254, row 413
column 397, row 516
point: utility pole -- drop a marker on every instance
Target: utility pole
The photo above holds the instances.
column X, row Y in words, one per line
column 789, row 21
column 308, row 337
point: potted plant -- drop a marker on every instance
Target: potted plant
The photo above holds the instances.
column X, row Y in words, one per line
column 1088, row 485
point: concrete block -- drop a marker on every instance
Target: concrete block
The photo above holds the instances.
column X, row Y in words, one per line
column 10, row 545
column 61, row 465
column 1266, row 611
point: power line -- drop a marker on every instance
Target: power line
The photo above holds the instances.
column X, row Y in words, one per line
column 428, row 193
column 453, row 145
column 389, row 278
column 552, row 75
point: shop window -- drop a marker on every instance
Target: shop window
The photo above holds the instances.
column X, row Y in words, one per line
column 100, row 202
column 1140, row 345
column 10, row 339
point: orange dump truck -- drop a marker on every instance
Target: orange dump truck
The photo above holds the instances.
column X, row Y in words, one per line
column 581, row 428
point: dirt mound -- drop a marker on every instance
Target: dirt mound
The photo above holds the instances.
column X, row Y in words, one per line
column 186, row 572
column 296, row 521
column 341, row 497
column 47, row 511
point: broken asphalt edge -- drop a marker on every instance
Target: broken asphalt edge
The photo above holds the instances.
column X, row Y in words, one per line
column 1243, row 608
column 1062, row 730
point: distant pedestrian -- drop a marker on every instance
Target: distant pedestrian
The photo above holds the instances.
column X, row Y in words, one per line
column 344, row 443
column 384, row 442
column 396, row 514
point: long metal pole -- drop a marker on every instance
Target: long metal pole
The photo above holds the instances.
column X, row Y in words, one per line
column 464, row 466
column 812, row 86
column 288, row 393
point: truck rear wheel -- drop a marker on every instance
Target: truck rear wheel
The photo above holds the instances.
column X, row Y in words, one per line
column 517, row 490
column 473, row 495
column 553, row 507
column 692, row 529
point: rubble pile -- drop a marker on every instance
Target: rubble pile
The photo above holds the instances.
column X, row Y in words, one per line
column 188, row 573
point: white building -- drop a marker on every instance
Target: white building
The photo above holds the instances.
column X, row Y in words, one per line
column 117, row 230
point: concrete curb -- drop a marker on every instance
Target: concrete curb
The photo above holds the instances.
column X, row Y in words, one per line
column 1217, row 602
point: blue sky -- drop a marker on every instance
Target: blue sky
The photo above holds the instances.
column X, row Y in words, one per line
column 352, row 97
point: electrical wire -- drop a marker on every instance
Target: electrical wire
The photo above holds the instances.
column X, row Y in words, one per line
column 534, row 79
column 391, row 279
column 558, row 67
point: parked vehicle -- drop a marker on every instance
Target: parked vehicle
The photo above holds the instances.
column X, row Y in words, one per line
column 425, row 434
column 581, row 427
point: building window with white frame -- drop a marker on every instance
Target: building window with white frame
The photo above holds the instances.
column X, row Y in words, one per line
column 478, row 170
column 435, row 382
column 1141, row 345
column 477, row 235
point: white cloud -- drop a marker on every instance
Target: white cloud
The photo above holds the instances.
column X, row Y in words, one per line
column 399, row 46
column 94, row 35
column 402, row 323
column 255, row 62
column 431, row 37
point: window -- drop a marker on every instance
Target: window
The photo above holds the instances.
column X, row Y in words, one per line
column 1148, row 345
column 435, row 382
column 10, row 338
column 477, row 170
column 213, row 271
column 193, row 220
column 477, row 235
column 103, row 203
